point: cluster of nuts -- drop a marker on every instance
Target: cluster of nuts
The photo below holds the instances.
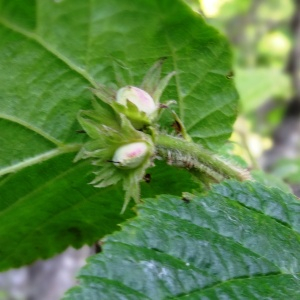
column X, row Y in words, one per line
column 122, row 131
column 130, row 156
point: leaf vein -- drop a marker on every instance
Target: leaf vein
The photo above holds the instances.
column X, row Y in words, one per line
column 32, row 128
column 112, row 281
column 210, row 229
column 216, row 108
column 50, row 49
column 213, row 286
column 41, row 187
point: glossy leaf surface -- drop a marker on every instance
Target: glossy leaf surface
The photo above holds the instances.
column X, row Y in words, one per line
column 240, row 241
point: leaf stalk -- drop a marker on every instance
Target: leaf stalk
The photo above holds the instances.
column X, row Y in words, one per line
column 192, row 156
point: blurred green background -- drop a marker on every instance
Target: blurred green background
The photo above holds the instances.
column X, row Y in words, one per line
column 265, row 36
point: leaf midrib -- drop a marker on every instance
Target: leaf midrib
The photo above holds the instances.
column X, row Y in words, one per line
column 31, row 127
column 115, row 283
column 61, row 148
column 33, row 36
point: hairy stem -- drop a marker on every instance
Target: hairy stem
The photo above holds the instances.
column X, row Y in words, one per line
column 186, row 154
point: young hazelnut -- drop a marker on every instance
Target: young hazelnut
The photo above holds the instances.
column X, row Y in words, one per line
column 131, row 155
column 140, row 98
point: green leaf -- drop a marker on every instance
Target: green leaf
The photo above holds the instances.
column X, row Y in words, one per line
column 55, row 207
column 51, row 53
column 52, row 209
column 240, row 241
column 168, row 179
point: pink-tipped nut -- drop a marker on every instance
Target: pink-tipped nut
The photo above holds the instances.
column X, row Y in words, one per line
column 140, row 98
column 131, row 155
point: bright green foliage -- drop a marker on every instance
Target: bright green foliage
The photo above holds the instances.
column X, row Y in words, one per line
column 53, row 208
column 240, row 241
column 58, row 208
column 51, row 53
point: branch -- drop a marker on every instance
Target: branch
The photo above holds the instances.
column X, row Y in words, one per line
column 192, row 156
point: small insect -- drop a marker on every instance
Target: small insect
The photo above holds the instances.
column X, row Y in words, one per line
column 185, row 200
column 98, row 246
column 230, row 75
column 80, row 131
column 112, row 161
column 177, row 127
column 147, row 178
column 163, row 105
